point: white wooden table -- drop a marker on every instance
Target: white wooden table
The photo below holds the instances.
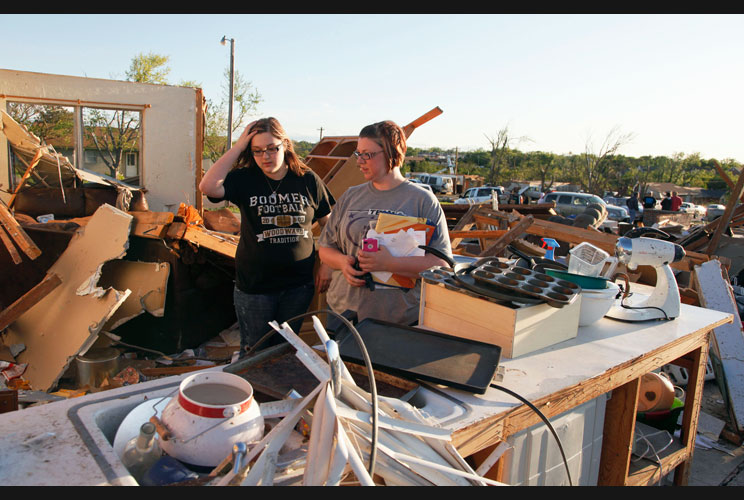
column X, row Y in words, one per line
column 609, row 355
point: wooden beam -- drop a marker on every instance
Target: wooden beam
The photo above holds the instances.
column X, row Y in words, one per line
column 513, row 233
column 172, row 370
column 617, row 440
column 723, row 174
column 204, row 239
column 477, row 233
column 571, row 234
column 28, row 300
column 199, row 153
column 22, row 239
column 148, row 224
column 723, row 223
column 429, row 115
column 26, row 174
column 10, row 246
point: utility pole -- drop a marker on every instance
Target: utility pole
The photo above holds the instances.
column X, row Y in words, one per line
column 321, row 133
column 232, row 87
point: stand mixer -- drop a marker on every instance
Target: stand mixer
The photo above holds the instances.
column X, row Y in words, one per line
column 664, row 301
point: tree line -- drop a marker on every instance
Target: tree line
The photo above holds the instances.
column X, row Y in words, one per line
column 593, row 173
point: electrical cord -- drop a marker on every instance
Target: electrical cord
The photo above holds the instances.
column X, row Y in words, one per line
column 370, row 373
column 544, row 419
column 650, row 447
column 626, row 293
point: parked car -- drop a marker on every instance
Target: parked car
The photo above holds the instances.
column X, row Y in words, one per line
column 623, row 202
column 479, row 195
column 714, row 210
column 618, row 214
column 570, row 204
column 697, row 211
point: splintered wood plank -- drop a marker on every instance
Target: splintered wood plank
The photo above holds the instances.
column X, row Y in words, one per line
column 201, row 238
column 25, row 302
column 429, row 115
column 10, row 246
column 24, row 242
column 514, row 232
column 67, row 321
column 27, row 174
column 151, row 224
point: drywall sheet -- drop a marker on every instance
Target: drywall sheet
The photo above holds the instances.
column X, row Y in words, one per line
column 147, row 281
column 728, row 340
column 67, row 321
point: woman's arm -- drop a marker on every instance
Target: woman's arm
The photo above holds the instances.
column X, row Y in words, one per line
column 334, row 259
column 383, row 260
column 212, row 182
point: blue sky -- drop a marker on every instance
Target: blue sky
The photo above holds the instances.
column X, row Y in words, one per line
column 560, row 81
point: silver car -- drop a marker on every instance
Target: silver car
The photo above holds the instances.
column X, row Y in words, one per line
column 570, row 204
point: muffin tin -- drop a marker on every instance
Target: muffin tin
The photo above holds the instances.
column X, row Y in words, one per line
column 463, row 282
column 555, row 292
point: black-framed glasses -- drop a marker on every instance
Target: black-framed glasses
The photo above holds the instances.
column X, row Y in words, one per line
column 366, row 156
column 272, row 150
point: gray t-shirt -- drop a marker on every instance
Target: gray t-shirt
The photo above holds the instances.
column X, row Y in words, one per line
column 353, row 215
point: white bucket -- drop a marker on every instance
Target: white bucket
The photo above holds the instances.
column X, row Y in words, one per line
column 212, row 411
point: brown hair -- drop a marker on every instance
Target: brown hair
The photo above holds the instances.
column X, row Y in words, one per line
column 391, row 139
column 272, row 126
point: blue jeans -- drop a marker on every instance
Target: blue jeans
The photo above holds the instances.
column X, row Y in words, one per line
column 255, row 310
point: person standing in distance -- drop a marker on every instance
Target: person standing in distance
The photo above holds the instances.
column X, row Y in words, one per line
column 279, row 198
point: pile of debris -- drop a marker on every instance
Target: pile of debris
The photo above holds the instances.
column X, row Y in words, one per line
column 702, row 275
column 87, row 259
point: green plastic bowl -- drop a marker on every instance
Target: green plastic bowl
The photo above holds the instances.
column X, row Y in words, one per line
column 586, row 282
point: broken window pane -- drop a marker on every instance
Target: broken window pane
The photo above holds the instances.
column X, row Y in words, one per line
column 54, row 125
column 111, row 138
column 111, row 143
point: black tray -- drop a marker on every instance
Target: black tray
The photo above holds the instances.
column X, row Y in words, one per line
column 419, row 354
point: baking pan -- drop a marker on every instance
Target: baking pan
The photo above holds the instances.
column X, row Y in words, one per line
column 462, row 281
column 419, row 354
column 555, row 292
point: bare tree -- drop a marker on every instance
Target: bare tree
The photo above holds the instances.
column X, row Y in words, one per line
column 113, row 133
column 500, row 146
column 595, row 167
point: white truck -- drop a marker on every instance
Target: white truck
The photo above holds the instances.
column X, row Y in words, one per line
column 440, row 183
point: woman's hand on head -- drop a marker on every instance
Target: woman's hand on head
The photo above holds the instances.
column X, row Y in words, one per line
column 247, row 135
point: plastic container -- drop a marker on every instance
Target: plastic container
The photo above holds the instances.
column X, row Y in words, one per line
column 212, row 411
column 585, row 282
column 586, row 259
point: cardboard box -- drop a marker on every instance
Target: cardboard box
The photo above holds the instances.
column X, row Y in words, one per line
column 517, row 330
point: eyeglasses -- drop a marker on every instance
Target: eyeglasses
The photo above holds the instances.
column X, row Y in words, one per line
column 366, row 156
column 272, row 150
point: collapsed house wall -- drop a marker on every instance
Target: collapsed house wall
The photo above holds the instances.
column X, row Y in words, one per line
column 170, row 138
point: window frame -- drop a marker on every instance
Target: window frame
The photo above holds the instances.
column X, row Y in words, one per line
column 78, row 127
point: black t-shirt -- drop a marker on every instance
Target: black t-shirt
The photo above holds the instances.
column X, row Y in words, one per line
column 649, row 202
column 276, row 248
